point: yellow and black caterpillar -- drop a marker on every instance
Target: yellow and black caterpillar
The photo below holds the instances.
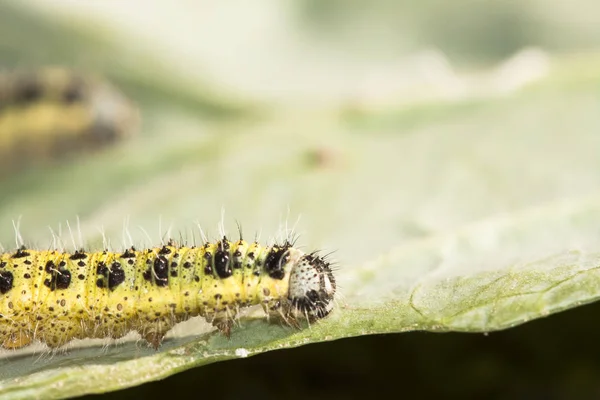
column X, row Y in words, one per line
column 49, row 113
column 55, row 296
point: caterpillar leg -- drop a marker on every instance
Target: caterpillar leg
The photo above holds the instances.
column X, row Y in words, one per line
column 285, row 318
column 17, row 340
column 224, row 326
column 224, row 320
column 289, row 320
column 155, row 333
column 154, row 339
column 278, row 312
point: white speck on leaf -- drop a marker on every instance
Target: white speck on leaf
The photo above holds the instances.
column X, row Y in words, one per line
column 241, row 352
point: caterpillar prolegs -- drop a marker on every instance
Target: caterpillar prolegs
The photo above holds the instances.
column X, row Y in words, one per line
column 56, row 296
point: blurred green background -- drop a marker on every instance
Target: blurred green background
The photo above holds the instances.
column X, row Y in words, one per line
column 376, row 123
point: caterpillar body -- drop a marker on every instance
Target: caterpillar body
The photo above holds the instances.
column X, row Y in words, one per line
column 55, row 296
column 51, row 112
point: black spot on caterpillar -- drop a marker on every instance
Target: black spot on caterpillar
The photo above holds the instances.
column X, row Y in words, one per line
column 51, row 113
column 107, row 294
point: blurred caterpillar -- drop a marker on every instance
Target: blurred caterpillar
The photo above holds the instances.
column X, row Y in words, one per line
column 52, row 113
column 55, row 296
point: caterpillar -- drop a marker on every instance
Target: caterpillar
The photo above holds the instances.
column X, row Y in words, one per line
column 54, row 296
column 51, row 112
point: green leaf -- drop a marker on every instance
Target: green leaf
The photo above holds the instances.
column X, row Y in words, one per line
column 492, row 275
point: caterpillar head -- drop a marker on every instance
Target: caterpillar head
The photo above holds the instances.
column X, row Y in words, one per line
column 312, row 287
column 114, row 115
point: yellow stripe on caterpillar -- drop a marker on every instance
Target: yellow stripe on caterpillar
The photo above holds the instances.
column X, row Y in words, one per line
column 55, row 296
